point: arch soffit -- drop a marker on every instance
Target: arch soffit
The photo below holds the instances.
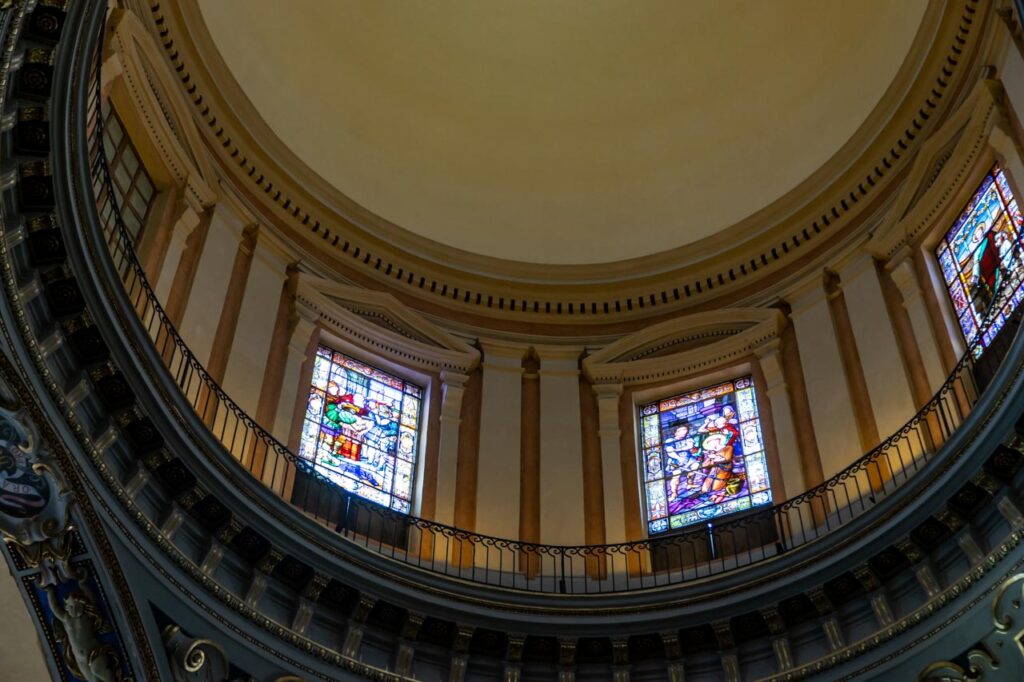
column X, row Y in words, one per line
column 396, row 331
column 157, row 105
column 723, row 337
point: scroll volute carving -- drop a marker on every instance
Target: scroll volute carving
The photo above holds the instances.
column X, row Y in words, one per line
column 194, row 660
column 1000, row 654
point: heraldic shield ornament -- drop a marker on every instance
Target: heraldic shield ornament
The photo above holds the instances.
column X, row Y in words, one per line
column 34, row 502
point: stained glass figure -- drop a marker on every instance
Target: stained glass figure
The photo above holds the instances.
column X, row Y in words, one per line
column 361, row 428
column 982, row 260
column 703, row 455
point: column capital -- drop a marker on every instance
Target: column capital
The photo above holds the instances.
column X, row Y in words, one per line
column 559, row 360
column 247, row 239
column 453, row 386
column 502, row 356
column 270, row 249
column 608, row 396
column 607, row 391
column 454, row 379
column 851, row 265
column 185, row 218
column 303, row 325
column 806, row 294
column 769, row 357
column 904, row 276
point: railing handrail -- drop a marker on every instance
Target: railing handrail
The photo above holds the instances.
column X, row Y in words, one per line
column 124, row 242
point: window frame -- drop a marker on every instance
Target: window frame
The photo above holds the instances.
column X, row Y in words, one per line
column 424, row 382
column 940, row 241
column 653, row 396
column 123, row 148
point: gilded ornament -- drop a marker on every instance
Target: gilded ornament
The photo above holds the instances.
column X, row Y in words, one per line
column 78, row 625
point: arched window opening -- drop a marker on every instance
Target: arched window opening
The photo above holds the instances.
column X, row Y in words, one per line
column 982, row 259
column 133, row 187
column 362, row 428
column 703, row 455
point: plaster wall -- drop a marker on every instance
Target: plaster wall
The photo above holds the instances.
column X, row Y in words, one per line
column 21, row 653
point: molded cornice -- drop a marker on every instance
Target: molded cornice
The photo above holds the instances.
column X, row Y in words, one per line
column 394, row 330
column 737, row 264
column 157, row 103
column 940, row 172
column 724, row 337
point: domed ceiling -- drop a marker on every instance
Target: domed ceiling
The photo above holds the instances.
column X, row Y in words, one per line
column 569, row 131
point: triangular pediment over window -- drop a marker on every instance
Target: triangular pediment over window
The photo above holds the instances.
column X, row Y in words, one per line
column 394, row 329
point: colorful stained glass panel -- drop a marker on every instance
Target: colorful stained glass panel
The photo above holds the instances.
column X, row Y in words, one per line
column 982, row 260
column 703, row 455
column 361, row 428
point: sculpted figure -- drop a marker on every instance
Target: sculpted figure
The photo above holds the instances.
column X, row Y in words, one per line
column 78, row 625
column 34, row 504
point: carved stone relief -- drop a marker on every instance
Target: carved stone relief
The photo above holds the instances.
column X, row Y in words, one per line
column 35, row 505
column 1000, row 655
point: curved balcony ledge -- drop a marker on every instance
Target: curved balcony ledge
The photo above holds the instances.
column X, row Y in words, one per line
column 990, row 424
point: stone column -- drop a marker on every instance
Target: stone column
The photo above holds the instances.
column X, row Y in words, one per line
column 468, row 466
column 209, row 405
column 904, row 276
column 188, row 240
column 275, row 392
column 777, row 394
column 906, row 339
column 156, row 236
column 529, row 458
column 800, row 405
column 452, row 389
column 182, row 224
column 285, row 391
column 949, row 335
column 300, row 338
column 853, row 368
column 609, row 431
column 593, row 469
column 799, row 465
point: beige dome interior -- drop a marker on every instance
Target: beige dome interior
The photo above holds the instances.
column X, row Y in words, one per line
column 582, row 131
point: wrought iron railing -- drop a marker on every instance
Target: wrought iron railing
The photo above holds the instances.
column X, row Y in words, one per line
column 690, row 554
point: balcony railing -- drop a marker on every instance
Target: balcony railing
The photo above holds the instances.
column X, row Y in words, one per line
column 691, row 554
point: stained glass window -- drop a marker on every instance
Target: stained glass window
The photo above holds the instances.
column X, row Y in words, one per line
column 703, row 455
column 361, row 428
column 982, row 261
